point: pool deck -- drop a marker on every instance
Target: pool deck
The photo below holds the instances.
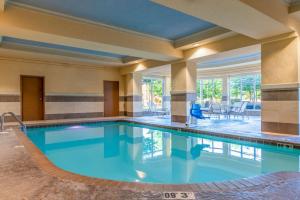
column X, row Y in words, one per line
column 27, row 174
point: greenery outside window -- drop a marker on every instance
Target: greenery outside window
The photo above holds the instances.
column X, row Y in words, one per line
column 209, row 90
column 152, row 90
column 246, row 88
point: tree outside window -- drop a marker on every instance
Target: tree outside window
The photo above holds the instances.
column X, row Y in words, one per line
column 209, row 90
column 246, row 88
column 152, row 90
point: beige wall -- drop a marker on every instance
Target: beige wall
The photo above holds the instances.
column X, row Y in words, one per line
column 58, row 78
column 184, row 77
column 280, row 90
column 61, row 80
column 280, row 62
column 133, row 84
column 133, row 92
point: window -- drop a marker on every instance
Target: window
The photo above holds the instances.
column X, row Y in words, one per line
column 209, row 90
column 152, row 90
column 246, row 88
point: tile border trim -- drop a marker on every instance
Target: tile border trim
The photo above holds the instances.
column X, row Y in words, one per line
column 73, row 115
column 183, row 97
column 5, row 98
column 66, row 98
column 280, row 95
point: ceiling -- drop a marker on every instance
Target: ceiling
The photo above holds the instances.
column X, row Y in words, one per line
column 141, row 16
column 15, row 41
column 231, row 60
column 227, row 61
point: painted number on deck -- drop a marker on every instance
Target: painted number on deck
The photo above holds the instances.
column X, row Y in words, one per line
column 179, row 195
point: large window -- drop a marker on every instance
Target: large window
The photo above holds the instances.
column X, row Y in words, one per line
column 246, row 88
column 209, row 90
column 152, row 89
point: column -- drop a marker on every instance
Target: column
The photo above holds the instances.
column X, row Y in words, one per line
column 133, row 95
column 183, row 81
column 280, row 86
column 225, row 90
column 167, row 93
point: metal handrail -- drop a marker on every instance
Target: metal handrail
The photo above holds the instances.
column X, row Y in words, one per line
column 23, row 126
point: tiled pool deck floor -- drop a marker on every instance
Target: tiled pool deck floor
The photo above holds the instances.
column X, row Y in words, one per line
column 26, row 174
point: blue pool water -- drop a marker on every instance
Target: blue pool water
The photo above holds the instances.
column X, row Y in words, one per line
column 136, row 153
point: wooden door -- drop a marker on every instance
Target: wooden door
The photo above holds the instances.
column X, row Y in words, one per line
column 111, row 98
column 32, row 92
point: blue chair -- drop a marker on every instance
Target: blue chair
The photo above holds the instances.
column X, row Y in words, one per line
column 196, row 111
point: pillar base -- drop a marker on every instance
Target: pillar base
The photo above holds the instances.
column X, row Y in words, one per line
column 178, row 118
column 280, row 109
column 283, row 128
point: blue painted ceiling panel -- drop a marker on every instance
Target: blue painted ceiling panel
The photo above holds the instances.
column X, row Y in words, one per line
column 138, row 15
column 230, row 60
column 59, row 47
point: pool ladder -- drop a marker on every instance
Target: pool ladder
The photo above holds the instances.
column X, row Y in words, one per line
column 2, row 117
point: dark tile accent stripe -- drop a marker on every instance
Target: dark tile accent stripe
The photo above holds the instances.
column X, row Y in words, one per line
column 166, row 98
column 133, row 98
column 122, row 98
column 178, row 118
column 130, row 98
column 74, row 98
column 283, row 128
column 73, row 115
column 9, row 98
column 183, row 97
column 122, row 113
column 134, row 114
column 280, row 95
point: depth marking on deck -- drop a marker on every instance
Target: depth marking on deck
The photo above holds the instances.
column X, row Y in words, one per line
column 178, row 195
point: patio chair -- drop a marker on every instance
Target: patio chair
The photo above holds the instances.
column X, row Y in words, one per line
column 164, row 113
column 239, row 109
column 235, row 108
column 207, row 107
column 216, row 110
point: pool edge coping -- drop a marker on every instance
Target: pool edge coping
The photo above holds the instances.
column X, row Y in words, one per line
column 49, row 168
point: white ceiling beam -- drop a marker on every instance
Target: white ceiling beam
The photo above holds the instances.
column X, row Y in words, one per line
column 54, row 29
column 253, row 18
column 131, row 60
column 59, row 56
column 203, row 37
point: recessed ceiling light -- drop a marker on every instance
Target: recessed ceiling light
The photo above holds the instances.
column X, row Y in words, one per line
column 195, row 45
